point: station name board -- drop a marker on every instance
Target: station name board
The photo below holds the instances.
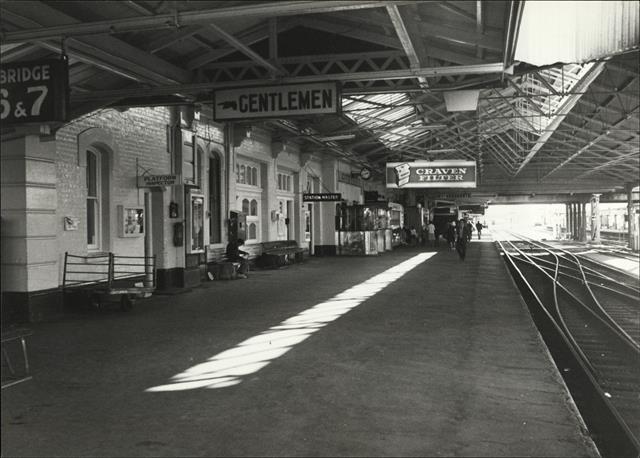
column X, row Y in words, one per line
column 322, row 197
column 431, row 174
column 34, row 91
column 277, row 101
column 149, row 181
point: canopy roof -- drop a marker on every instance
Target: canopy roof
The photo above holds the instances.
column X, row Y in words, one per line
column 563, row 127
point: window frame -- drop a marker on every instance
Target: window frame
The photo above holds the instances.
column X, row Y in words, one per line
column 97, row 199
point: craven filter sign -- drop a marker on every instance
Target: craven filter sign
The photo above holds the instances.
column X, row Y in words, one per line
column 276, row 101
column 431, row 174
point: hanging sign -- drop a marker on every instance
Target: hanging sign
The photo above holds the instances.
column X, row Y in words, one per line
column 277, row 101
column 34, row 91
column 431, row 174
column 149, row 181
column 322, row 197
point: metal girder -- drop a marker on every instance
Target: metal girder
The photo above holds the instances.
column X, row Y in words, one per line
column 410, row 42
column 108, row 52
column 182, row 18
column 246, row 50
column 350, row 29
column 449, row 6
column 566, row 107
column 345, row 77
column 580, row 151
column 468, row 37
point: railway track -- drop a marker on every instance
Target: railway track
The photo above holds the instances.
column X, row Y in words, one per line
column 590, row 320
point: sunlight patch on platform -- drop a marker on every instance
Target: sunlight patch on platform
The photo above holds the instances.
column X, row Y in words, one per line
column 227, row 368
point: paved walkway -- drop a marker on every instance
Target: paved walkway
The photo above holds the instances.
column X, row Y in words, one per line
column 407, row 354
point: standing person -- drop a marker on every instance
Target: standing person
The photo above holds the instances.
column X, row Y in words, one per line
column 235, row 254
column 479, row 228
column 463, row 236
column 431, row 234
column 414, row 236
column 451, row 234
column 469, row 230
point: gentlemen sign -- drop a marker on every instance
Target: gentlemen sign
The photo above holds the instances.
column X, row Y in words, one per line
column 431, row 174
column 322, row 197
column 149, row 181
column 276, row 101
column 34, row 92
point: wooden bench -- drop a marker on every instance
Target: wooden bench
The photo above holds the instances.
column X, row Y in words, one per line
column 280, row 253
column 220, row 268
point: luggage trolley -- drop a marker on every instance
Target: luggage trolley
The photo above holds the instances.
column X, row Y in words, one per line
column 104, row 275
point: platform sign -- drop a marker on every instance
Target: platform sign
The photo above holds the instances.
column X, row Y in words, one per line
column 431, row 174
column 34, row 91
column 149, row 181
column 277, row 101
column 322, row 197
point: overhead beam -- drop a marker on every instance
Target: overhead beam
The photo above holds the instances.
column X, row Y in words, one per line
column 244, row 49
column 182, row 18
column 566, row 107
column 350, row 77
column 410, row 42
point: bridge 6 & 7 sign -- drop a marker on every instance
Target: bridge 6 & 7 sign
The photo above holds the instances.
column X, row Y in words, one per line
column 34, row 92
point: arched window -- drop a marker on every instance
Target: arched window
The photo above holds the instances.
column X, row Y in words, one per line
column 252, row 231
column 254, row 208
column 254, row 176
column 94, row 198
column 242, row 172
column 245, row 206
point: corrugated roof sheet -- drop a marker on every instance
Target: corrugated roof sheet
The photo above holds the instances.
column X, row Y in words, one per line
column 576, row 31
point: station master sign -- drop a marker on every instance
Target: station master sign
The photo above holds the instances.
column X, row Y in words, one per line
column 34, row 91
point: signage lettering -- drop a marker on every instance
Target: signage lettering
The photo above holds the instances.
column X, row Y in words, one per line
column 426, row 174
column 34, row 92
column 147, row 181
column 277, row 101
column 322, row 197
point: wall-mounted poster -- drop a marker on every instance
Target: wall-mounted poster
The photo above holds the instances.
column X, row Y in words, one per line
column 131, row 221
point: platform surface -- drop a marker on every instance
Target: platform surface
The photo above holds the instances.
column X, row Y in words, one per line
column 411, row 353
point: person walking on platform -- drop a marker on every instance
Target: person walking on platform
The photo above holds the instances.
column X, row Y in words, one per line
column 463, row 237
column 469, row 229
column 479, row 228
column 431, row 234
column 451, row 234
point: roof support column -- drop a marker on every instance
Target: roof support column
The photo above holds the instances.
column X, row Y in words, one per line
column 633, row 225
column 582, row 236
column 567, row 217
column 595, row 218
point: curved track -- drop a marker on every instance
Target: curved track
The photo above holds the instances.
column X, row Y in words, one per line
column 597, row 314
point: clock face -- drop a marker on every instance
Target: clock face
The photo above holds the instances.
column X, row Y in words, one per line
column 365, row 173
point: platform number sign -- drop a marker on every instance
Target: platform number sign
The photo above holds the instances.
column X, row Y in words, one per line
column 34, row 92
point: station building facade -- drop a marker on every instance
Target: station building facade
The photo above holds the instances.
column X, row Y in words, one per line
column 80, row 190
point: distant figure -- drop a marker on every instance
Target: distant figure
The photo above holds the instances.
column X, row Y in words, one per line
column 414, row 235
column 479, row 228
column 431, row 234
column 235, row 254
column 463, row 238
column 469, row 230
column 451, row 234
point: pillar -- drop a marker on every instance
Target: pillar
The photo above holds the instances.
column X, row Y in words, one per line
column 633, row 218
column 30, row 263
column 595, row 218
column 574, row 221
column 583, row 221
column 567, row 217
column 325, row 244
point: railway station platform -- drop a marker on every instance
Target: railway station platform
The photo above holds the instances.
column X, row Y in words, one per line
column 412, row 353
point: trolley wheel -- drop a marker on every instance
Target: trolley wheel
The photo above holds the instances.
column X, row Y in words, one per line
column 126, row 303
